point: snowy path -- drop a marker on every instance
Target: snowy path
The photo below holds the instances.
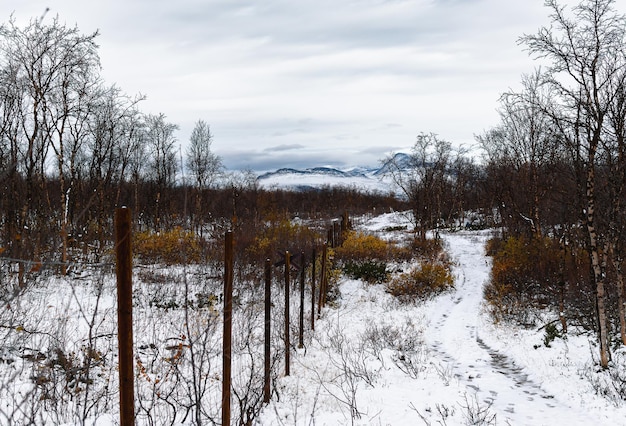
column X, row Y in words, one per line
column 454, row 336
column 461, row 365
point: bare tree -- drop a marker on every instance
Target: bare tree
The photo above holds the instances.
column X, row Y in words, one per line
column 423, row 177
column 525, row 145
column 163, row 166
column 64, row 107
column 112, row 123
column 614, row 152
column 11, row 96
column 203, row 163
column 50, row 66
column 584, row 52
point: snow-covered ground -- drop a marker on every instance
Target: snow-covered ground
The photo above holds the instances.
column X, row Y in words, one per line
column 375, row 361
column 371, row 360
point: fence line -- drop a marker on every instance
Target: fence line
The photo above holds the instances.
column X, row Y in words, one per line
column 287, row 321
column 268, row 332
column 124, row 272
column 54, row 263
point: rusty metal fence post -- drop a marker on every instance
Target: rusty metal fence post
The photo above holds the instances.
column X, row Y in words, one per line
column 314, row 261
column 124, row 272
column 301, row 319
column 268, row 329
column 322, row 297
column 228, row 326
column 287, row 290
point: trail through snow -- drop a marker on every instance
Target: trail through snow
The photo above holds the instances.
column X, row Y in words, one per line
column 454, row 335
column 373, row 360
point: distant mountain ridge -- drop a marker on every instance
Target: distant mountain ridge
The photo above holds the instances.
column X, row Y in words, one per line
column 373, row 179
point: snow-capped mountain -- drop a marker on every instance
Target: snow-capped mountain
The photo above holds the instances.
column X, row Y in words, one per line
column 369, row 179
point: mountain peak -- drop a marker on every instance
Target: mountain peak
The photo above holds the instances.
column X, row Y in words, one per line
column 370, row 179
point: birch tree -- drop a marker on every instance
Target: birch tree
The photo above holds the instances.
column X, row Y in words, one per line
column 422, row 176
column 51, row 67
column 203, row 163
column 161, row 143
column 584, row 54
column 526, row 146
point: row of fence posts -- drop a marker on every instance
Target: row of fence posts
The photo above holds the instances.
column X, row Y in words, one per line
column 123, row 254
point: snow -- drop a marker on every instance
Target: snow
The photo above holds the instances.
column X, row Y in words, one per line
column 318, row 179
column 464, row 369
column 372, row 360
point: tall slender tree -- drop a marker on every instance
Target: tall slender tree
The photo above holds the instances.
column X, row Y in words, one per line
column 161, row 142
column 584, row 51
column 422, row 176
column 204, row 165
column 526, row 145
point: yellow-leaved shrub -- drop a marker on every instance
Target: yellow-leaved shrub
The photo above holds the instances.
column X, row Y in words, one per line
column 359, row 246
column 429, row 278
column 278, row 236
column 174, row 246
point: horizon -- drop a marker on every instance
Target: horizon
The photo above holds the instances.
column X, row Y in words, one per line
column 309, row 83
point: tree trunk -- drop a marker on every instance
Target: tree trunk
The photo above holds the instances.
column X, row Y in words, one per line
column 562, row 289
column 616, row 257
column 596, row 266
column 622, row 310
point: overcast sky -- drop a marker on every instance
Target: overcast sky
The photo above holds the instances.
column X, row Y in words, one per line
column 302, row 83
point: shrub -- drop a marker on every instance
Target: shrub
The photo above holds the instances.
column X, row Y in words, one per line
column 551, row 333
column 427, row 280
column 176, row 246
column 400, row 253
column 493, row 246
column 363, row 256
column 369, row 271
column 429, row 248
column 279, row 235
column 359, row 246
column 521, row 270
column 535, row 274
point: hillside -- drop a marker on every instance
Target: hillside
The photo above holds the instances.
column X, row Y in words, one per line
column 373, row 179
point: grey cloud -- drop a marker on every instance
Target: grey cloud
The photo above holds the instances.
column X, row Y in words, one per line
column 263, row 162
column 268, row 160
column 280, row 148
column 382, row 150
column 288, row 132
column 331, row 24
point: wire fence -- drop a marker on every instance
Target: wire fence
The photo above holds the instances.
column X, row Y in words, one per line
column 61, row 357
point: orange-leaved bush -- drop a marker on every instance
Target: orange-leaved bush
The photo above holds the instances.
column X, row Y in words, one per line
column 281, row 235
column 174, row 246
column 359, row 246
column 429, row 278
column 526, row 274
